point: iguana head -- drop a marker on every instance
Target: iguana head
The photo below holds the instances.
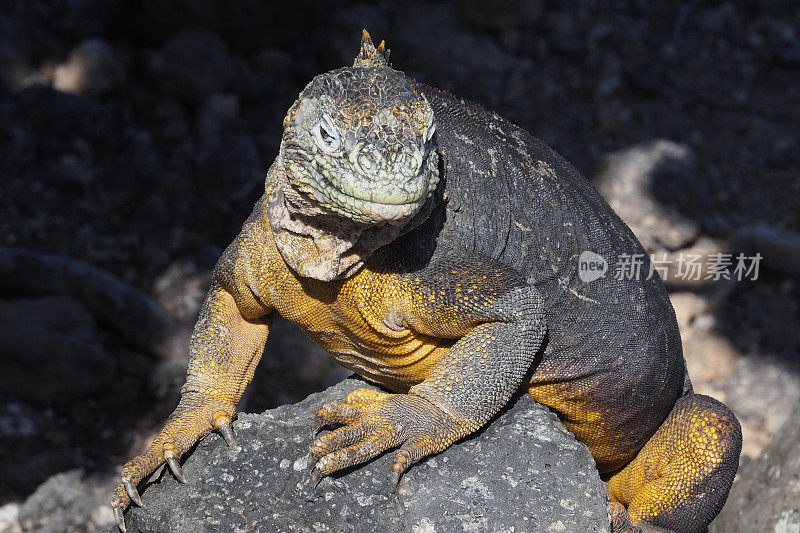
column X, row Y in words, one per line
column 358, row 141
column 358, row 163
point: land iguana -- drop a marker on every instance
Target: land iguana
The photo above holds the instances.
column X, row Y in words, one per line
column 432, row 247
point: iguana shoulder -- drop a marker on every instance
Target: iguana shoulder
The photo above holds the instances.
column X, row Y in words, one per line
column 512, row 197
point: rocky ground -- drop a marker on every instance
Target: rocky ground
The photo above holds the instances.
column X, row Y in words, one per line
column 134, row 137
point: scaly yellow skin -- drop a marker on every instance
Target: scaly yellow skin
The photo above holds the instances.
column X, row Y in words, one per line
column 453, row 335
column 429, row 337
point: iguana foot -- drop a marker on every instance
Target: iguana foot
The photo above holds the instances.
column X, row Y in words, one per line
column 197, row 415
column 374, row 422
column 680, row 478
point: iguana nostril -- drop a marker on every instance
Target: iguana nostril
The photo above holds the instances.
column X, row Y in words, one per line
column 365, row 162
column 349, row 141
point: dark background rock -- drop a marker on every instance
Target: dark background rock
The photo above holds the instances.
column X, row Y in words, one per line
column 193, row 65
column 525, row 472
column 51, row 351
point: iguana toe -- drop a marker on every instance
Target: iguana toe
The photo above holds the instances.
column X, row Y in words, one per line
column 621, row 521
column 338, row 439
column 337, row 413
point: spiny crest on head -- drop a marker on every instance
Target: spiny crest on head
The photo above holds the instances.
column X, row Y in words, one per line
column 369, row 56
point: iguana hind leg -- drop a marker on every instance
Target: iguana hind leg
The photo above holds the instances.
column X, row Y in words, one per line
column 680, row 479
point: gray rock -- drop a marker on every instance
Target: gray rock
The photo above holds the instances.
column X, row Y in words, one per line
column 766, row 495
column 230, row 165
column 223, row 107
column 525, row 472
column 68, row 502
column 9, row 518
column 780, row 247
column 647, row 185
column 71, row 170
column 114, row 303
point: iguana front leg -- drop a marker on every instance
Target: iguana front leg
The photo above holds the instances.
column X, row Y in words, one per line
column 499, row 323
column 225, row 349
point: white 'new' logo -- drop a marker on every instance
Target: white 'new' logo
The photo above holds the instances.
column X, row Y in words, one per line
column 591, row 266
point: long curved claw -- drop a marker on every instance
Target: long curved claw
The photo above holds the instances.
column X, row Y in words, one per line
column 227, row 434
column 311, row 463
column 176, row 469
column 316, row 476
column 316, row 425
column 130, row 488
column 396, row 475
column 338, row 413
column 119, row 518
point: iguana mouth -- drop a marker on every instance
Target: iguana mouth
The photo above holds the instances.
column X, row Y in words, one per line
column 389, row 209
column 370, row 201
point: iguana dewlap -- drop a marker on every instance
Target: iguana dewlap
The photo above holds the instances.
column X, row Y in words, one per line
column 432, row 247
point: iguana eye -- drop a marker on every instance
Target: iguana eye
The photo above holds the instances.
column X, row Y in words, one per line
column 327, row 135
